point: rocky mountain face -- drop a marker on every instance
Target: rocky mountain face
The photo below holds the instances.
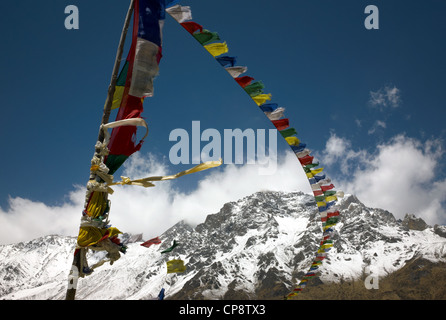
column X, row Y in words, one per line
column 255, row 248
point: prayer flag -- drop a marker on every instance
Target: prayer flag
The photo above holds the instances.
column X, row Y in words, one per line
column 180, row 13
column 175, row 266
column 136, row 78
column 269, row 107
column 226, row 61
column 261, row 98
column 306, row 160
column 148, row 243
column 244, row 81
column 255, row 88
column 281, row 124
column 204, row 37
column 288, row 132
column 236, row 71
column 192, row 27
column 276, row 114
column 171, row 248
column 292, row 141
column 216, row 49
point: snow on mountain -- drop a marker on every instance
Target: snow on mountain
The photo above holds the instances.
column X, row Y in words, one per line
column 256, row 247
column 372, row 239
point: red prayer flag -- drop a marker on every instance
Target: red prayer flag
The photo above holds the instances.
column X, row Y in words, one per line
column 148, row 243
column 332, row 214
column 191, row 26
column 122, row 138
column 244, row 81
column 281, row 124
column 144, row 37
column 326, row 188
column 306, row 160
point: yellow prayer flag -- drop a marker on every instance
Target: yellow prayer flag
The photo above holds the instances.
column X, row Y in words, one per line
column 97, row 204
column 216, row 49
column 261, row 98
column 89, row 236
column 145, row 182
column 117, row 97
column 316, row 171
column 321, row 203
column 292, row 141
column 331, row 198
column 174, row 266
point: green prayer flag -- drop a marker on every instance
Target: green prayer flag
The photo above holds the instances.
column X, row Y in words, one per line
column 255, row 88
column 288, row 132
column 171, row 248
column 206, row 37
column 311, row 165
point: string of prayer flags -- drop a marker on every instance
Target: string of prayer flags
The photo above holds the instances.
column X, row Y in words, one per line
column 133, row 84
column 135, row 81
column 322, row 189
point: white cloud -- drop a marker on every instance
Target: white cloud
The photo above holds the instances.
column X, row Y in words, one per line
column 151, row 211
column 335, row 148
column 26, row 220
column 338, row 150
column 400, row 176
column 385, row 97
column 378, row 124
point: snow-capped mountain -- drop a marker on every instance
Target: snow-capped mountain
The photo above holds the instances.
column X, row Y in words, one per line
column 256, row 247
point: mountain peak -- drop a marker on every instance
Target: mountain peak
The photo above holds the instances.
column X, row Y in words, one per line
column 257, row 247
column 411, row 222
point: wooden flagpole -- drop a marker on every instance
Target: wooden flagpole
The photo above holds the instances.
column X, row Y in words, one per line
column 76, row 265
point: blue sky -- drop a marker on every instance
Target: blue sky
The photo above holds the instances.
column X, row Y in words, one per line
column 368, row 103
